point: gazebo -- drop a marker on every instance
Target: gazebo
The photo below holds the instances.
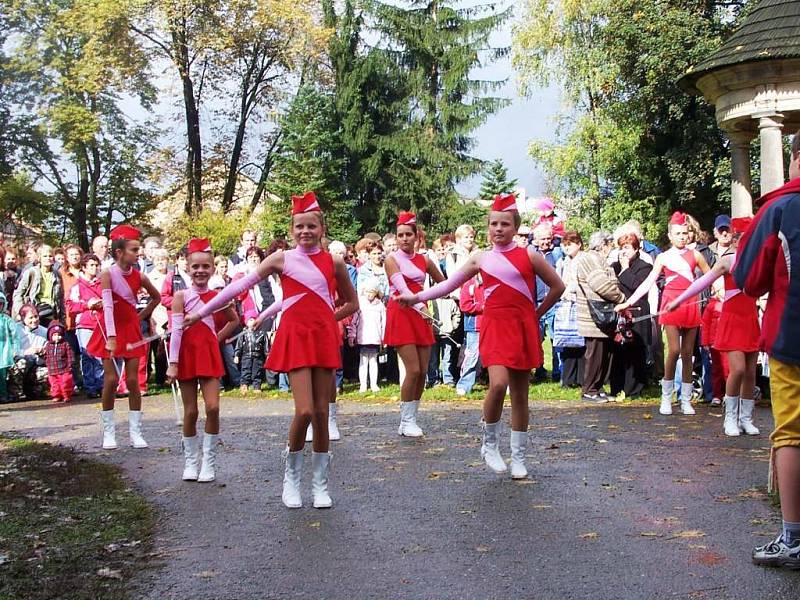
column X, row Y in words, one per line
column 753, row 81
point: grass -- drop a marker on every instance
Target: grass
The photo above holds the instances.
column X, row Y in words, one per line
column 69, row 527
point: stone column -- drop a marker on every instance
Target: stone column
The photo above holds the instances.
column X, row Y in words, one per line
column 741, row 198
column 771, row 134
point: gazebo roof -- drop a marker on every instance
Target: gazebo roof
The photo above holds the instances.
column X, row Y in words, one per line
column 771, row 31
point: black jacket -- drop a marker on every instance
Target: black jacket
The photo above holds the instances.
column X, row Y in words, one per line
column 251, row 344
column 630, row 279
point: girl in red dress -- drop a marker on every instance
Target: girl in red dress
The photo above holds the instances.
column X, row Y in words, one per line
column 306, row 345
column 509, row 344
column 678, row 264
column 117, row 333
column 195, row 360
column 407, row 329
column 738, row 333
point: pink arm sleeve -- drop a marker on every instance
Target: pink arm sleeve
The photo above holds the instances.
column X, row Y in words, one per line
column 108, row 313
column 399, row 283
column 698, row 285
column 458, row 279
column 643, row 289
column 231, row 291
column 272, row 310
column 176, row 336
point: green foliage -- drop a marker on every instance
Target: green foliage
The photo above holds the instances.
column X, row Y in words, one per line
column 224, row 230
column 630, row 137
column 495, row 181
column 457, row 213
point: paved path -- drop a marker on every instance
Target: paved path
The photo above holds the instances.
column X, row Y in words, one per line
column 623, row 503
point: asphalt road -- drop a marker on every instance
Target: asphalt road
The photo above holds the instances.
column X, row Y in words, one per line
column 622, row 503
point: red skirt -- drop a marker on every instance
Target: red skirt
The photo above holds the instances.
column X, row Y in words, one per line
column 405, row 326
column 129, row 331
column 305, row 339
column 510, row 338
column 200, row 355
column 686, row 316
column 738, row 329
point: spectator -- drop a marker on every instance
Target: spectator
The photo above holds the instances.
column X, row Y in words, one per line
column 546, row 213
column 149, row 247
column 372, row 275
column 176, row 279
column 523, row 233
column 220, row 277
column 41, row 286
column 8, row 275
column 31, row 255
column 250, row 354
column 238, row 260
column 70, row 273
column 543, row 241
column 628, row 365
column 572, row 355
column 160, row 318
column 58, row 258
column 464, row 248
column 9, row 348
column 471, row 304
column 723, row 236
column 389, row 243
column 369, row 325
column 59, row 358
column 100, row 250
column 30, row 361
column 596, row 284
column 84, row 305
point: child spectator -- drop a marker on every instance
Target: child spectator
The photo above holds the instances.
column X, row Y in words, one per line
column 84, row 304
column 250, row 354
column 32, row 339
column 9, row 347
column 369, row 324
column 58, row 357
column 546, row 209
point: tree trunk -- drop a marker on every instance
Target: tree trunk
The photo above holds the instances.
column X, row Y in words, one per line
column 80, row 202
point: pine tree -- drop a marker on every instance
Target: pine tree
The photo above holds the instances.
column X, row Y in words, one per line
column 437, row 45
column 495, row 180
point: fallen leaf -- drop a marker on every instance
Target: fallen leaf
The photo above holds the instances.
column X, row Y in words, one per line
column 206, row 574
column 482, row 548
column 647, row 416
column 466, row 512
column 601, row 441
column 689, row 533
column 434, row 475
column 542, row 506
column 524, row 481
column 651, row 534
column 107, row 573
column 682, row 480
column 592, row 535
column 315, row 524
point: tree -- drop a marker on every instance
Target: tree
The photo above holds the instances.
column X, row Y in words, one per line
column 495, row 181
column 438, row 45
column 70, row 62
column 632, row 144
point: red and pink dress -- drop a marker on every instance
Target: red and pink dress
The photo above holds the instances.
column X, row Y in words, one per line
column 404, row 325
column 199, row 355
column 124, row 288
column 509, row 329
column 679, row 267
column 738, row 328
column 308, row 335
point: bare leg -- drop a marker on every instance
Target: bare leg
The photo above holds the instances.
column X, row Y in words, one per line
column 302, row 391
column 110, row 383
column 321, row 381
column 672, row 353
column 210, row 388
column 736, row 364
column 424, row 355
column 414, row 372
column 518, row 384
column 190, row 412
column 493, row 403
column 132, row 379
column 687, row 353
column 749, row 375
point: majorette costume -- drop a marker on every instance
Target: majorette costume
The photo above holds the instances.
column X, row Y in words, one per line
column 196, row 349
column 738, row 328
column 404, row 324
column 679, row 267
column 120, row 317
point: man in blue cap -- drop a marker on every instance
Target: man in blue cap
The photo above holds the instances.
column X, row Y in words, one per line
column 723, row 236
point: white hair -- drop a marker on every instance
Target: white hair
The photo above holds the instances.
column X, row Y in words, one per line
column 542, row 229
column 337, row 246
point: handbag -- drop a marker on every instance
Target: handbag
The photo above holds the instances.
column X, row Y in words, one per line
column 565, row 326
column 601, row 311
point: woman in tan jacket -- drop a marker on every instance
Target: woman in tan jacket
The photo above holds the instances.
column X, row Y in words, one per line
column 596, row 282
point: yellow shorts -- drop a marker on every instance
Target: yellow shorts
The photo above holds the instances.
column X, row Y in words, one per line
column 784, row 385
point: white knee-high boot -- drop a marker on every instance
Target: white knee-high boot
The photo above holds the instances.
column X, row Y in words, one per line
column 209, row 470
column 490, row 450
column 519, row 443
column 291, row 478
column 135, row 429
column 667, row 387
column 109, row 429
column 333, row 427
column 686, row 398
column 408, row 419
column 746, row 417
column 191, row 452
column 731, row 423
column 320, row 463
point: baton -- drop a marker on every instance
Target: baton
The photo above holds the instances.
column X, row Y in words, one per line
column 437, row 325
column 117, row 368
column 176, row 393
column 662, row 312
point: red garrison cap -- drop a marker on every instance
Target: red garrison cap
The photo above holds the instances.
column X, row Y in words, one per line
column 677, row 218
column 504, row 202
column 740, row 224
column 406, row 218
column 124, row 232
column 305, row 203
column 199, row 245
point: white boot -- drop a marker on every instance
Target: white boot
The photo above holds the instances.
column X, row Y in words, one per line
column 109, row 429
column 333, row 428
column 666, row 397
column 731, row 423
column 320, row 464
column 209, row 470
column 191, row 451
column 291, row 478
column 135, row 429
column 746, row 417
column 490, row 452
column 408, row 419
column 310, row 433
column 686, row 398
column 519, row 443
